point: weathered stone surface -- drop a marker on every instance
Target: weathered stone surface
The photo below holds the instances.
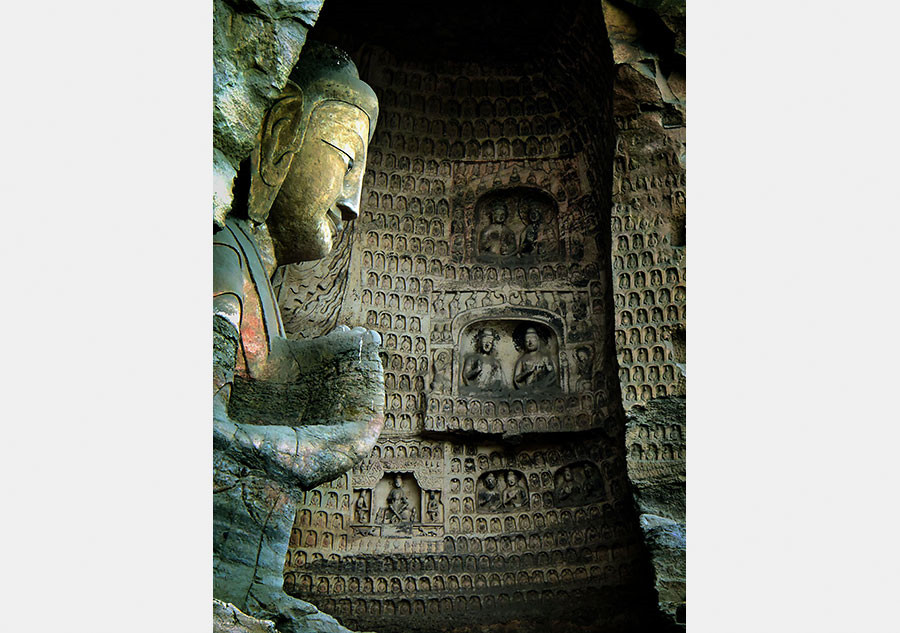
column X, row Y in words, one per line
column 255, row 45
column 227, row 618
column 649, row 36
column 648, row 232
column 656, row 466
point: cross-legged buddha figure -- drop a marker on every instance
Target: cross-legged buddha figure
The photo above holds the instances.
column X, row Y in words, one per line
column 288, row 414
column 398, row 509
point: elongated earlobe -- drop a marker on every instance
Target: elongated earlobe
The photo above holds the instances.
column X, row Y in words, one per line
column 278, row 139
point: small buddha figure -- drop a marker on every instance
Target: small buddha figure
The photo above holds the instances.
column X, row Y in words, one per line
column 496, row 238
column 515, row 495
column 534, row 369
column 489, row 495
column 288, row 415
column 481, row 368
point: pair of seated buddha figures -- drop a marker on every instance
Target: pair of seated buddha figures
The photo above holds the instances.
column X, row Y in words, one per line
column 288, row 415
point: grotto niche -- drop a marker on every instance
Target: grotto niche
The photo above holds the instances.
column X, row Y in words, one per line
column 507, row 358
column 497, row 497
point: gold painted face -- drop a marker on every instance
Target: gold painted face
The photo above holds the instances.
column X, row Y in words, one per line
column 324, row 185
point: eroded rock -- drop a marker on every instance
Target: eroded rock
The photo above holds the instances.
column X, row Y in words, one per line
column 255, row 45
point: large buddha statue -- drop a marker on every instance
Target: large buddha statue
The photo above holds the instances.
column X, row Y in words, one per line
column 288, row 414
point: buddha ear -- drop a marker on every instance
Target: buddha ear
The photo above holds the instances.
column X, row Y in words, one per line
column 276, row 143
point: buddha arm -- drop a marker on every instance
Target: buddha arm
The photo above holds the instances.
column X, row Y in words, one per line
column 472, row 368
column 343, row 382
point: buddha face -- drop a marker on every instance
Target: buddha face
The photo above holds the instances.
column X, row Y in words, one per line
column 324, row 184
column 490, row 481
column 532, row 341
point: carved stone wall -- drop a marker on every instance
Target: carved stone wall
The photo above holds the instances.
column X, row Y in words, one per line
column 498, row 494
column 648, row 229
column 649, row 203
column 656, row 467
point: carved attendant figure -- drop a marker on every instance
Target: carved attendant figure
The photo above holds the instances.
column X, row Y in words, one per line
column 585, row 366
column 569, row 489
column 306, row 179
column 440, row 383
column 362, row 508
column 530, row 242
column 534, row 369
column 480, row 368
column 515, row 495
column 432, row 508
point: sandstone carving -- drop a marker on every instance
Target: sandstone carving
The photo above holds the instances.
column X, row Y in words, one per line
column 288, row 414
column 518, row 246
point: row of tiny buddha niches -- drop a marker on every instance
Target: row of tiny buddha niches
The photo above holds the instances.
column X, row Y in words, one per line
column 400, row 499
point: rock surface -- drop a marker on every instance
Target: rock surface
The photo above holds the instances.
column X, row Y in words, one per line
column 255, row 45
column 648, row 36
column 656, row 466
column 227, row 618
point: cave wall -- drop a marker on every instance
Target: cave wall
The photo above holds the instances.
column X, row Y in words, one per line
column 415, row 538
column 649, row 274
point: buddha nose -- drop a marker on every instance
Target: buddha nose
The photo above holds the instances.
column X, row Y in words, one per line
column 349, row 205
column 351, row 194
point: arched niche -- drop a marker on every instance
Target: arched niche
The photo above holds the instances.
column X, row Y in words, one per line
column 508, row 356
column 515, row 226
column 578, row 483
column 500, row 491
column 397, row 499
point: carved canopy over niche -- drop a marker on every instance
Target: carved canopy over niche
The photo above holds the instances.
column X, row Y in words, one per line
column 499, row 356
column 516, row 226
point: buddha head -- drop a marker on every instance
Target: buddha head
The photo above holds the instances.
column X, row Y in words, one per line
column 308, row 164
column 498, row 212
column 485, row 339
column 532, row 340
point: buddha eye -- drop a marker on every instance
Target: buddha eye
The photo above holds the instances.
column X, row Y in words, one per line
column 344, row 154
